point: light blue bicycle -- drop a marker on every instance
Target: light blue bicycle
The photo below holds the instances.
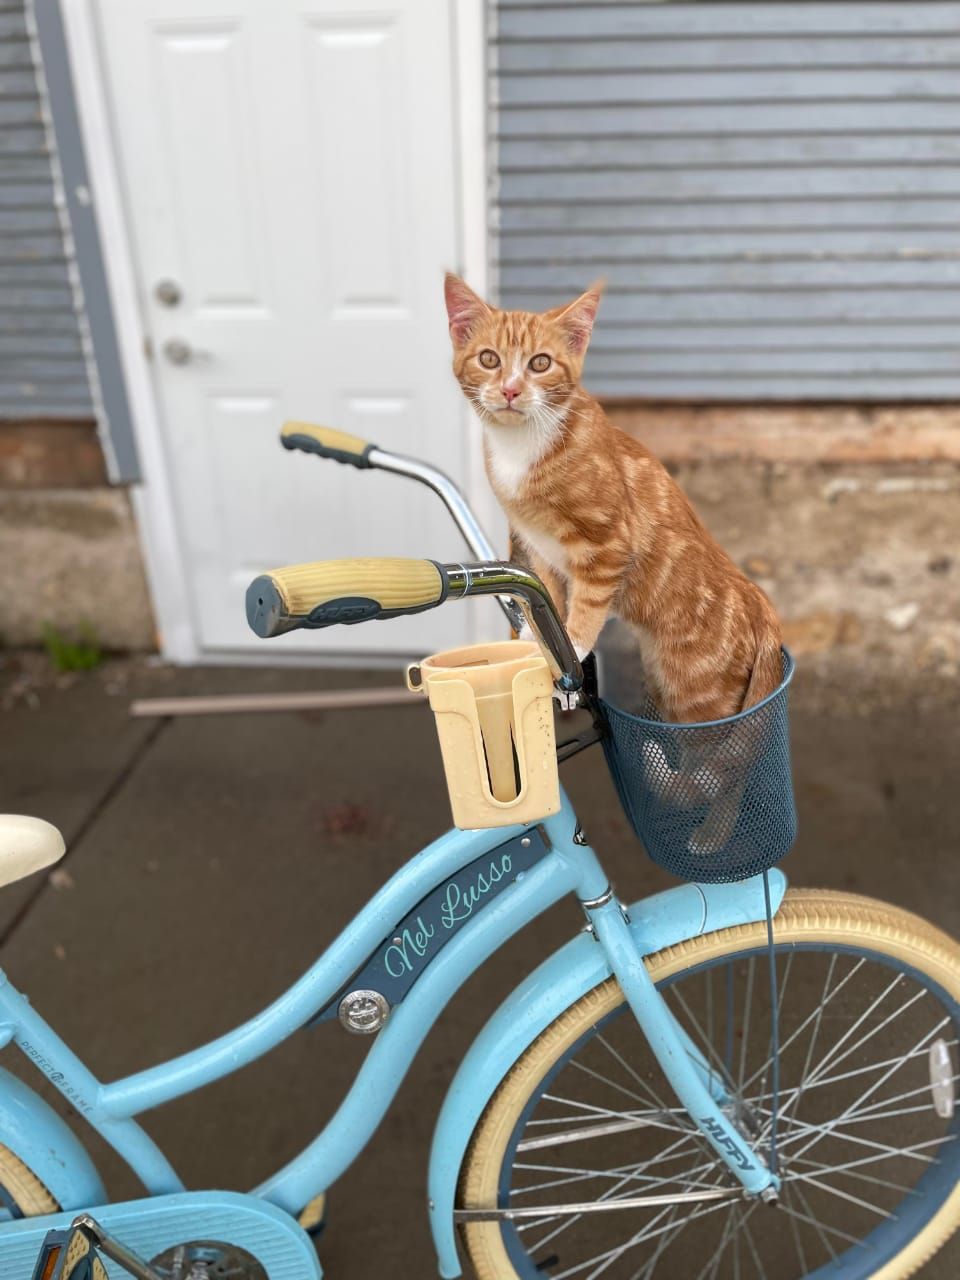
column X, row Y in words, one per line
column 725, row 1080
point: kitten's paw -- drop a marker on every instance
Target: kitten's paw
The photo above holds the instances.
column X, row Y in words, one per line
column 708, row 783
column 701, row 844
column 715, row 831
column 656, row 767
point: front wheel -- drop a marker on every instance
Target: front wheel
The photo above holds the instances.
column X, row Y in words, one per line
column 866, row 1136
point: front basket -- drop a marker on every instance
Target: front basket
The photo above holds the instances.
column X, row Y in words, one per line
column 710, row 802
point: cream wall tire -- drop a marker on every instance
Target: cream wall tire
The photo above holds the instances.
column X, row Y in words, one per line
column 840, row 931
column 22, row 1186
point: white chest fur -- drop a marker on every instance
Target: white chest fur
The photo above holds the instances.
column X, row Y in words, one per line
column 511, row 452
column 545, row 545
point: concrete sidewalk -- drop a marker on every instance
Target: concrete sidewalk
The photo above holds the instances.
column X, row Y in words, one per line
column 210, row 860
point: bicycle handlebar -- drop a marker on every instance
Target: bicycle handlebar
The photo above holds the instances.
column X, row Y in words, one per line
column 342, row 591
column 339, row 446
column 328, row 592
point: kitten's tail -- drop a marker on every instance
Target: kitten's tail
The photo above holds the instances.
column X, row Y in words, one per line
column 766, row 674
column 720, row 823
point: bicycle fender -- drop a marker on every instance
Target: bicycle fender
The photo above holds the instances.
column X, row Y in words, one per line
column 47, row 1146
column 663, row 920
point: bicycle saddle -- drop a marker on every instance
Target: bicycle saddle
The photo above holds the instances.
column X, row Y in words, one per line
column 27, row 844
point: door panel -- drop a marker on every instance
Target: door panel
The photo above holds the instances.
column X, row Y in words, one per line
column 355, row 73
column 291, row 168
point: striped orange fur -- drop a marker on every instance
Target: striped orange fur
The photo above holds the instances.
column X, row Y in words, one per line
column 607, row 528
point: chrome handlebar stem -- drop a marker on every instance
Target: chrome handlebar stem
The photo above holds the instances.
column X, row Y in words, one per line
column 508, row 582
column 500, row 578
column 456, row 504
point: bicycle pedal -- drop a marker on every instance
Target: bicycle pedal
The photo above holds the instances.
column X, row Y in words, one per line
column 68, row 1255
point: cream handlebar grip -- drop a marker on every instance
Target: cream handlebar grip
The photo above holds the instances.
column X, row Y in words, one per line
column 328, row 592
column 328, row 443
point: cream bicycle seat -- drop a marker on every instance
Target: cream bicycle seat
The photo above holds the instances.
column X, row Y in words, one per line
column 26, row 845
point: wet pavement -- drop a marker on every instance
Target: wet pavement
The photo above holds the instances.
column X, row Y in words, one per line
column 211, row 860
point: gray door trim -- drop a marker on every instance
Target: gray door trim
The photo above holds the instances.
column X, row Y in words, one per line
column 107, row 379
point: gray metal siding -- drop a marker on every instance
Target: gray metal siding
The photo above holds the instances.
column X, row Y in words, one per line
column 771, row 189
column 42, row 367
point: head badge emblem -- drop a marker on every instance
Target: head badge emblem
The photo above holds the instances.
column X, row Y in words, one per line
column 364, row 1012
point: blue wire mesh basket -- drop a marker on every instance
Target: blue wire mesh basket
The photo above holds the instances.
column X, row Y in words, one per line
column 710, row 802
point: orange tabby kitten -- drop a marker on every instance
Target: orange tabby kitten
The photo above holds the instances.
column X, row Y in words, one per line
column 607, row 528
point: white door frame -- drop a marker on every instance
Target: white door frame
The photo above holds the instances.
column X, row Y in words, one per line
column 153, row 500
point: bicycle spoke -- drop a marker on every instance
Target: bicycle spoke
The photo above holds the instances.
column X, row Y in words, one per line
column 641, row 1236
column 844, row 1195
column 669, row 1153
column 801, row 1255
column 834, row 1061
column 875, row 1066
column 709, row 1270
column 617, row 1255
column 664, row 1242
column 658, row 1217
column 856, row 1071
column 781, row 998
column 873, row 1117
column 902, row 1097
column 571, row 1220
column 655, row 1097
column 912, row 1152
column 831, row 1126
column 592, row 1107
column 852, row 1171
column 736, row 1253
column 814, row 1220
column 814, row 1015
column 595, row 1131
column 810, row 1081
column 793, row 1096
column 711, row 1051
column 633, row 1173
column 820, row 1227
column 748, row 1234
column 805, row 1073
column 584, row 1119
column 598, row 1075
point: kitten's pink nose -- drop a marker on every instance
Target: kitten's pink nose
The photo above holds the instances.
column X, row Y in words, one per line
column 510, row 393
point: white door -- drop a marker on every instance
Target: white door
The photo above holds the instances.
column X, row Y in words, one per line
column 290, row 170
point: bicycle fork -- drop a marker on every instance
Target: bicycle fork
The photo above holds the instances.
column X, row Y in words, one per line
column 697, row 1088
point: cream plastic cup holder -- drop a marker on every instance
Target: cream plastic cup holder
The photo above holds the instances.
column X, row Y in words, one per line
column 493, row 706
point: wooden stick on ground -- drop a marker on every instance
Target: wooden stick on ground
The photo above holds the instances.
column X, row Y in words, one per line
column 246, row 703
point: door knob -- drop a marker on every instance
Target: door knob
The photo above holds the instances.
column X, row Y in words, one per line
column 178, row 351
column 167, row 292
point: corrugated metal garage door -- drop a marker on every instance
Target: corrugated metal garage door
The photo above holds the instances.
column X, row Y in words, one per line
column 42, row 368
column 771, row 189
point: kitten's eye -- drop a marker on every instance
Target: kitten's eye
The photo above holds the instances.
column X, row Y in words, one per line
column 540, row 363
column 489, row 359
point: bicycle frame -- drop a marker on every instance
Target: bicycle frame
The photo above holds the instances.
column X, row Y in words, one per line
column 567, row 866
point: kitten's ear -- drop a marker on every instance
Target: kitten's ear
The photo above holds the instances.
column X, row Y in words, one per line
column 464, row 308
column 576, row 318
